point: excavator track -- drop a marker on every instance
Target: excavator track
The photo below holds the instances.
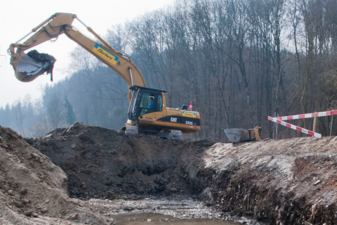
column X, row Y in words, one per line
column 169, row 134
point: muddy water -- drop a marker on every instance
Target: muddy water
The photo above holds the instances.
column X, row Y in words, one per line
column 149, row 211
column 152, row 218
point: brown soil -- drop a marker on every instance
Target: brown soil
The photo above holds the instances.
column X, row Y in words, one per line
column 102, row 163
column 33, row 190
column 289, row 181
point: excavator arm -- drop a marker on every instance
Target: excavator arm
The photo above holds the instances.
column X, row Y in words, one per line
column 27, row 69
column 159, row 120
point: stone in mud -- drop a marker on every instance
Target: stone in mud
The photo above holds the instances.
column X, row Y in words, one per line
column 110, row 195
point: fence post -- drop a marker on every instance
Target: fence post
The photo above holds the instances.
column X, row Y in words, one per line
column 315, row 122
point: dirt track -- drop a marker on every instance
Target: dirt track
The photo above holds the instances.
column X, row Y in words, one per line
column 289, row 181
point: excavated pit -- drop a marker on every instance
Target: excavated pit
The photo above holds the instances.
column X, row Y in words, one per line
column 102, row 163
column 292, row 181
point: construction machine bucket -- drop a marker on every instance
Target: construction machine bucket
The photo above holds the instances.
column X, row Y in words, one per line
column 29, row 66
column 241, row 135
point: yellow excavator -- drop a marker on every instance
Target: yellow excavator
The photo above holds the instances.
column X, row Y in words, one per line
column 147, row 113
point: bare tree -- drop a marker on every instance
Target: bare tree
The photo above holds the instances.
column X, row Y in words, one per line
column 236, row 28
column 19, row 114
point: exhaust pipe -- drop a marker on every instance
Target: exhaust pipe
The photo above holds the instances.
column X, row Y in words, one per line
column 29, row 66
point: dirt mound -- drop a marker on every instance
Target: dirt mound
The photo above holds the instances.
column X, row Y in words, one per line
column 32, row 189
column 289, row 181
column 102, row 163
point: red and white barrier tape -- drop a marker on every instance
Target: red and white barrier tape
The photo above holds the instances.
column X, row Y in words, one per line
column 300, row 129
column 308, row 115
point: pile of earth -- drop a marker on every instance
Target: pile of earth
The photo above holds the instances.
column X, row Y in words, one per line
column 289, row 181
column 33, row 190
column 102, row 163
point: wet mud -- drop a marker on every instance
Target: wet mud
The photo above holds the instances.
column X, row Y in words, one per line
column 160, row 211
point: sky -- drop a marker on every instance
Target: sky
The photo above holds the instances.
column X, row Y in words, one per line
column 19, row 17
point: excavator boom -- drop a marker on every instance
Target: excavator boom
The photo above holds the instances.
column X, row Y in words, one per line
column 27, row 68
column 157, row 119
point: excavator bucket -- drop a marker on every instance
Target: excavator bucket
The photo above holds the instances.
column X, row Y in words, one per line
column 29, row 66
column 235, row 135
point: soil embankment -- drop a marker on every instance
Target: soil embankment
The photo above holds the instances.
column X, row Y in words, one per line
column 292, row 181
column 102, row 163
column 33, row 190
column 289, row 181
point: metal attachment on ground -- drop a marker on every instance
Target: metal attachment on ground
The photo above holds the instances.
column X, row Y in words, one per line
column 241, row 135
column 131, row 130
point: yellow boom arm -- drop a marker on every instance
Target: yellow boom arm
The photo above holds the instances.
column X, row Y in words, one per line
column 60, row 23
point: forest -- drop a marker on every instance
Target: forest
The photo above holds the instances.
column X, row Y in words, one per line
column 237, row 61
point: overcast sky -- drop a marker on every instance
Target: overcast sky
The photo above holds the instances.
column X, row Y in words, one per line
column 18, row 17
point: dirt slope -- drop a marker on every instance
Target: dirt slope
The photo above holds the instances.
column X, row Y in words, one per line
column 33, row 190
column 292, row 181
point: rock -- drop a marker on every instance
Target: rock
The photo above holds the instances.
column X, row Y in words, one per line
column 128, row 208
column 24, row 191
column 34, row 156
column 35, row 214
column 317, row 182
column 18, row 204
column 74, row 216
column 110, row 195
column 83, row 185
column 28, row 213
column 44, row 210
column 25, row 201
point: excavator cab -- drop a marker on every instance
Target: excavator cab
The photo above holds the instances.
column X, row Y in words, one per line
column 144, row 100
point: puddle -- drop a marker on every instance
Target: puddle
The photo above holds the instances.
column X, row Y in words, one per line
column 153, row 218
column 149, row 211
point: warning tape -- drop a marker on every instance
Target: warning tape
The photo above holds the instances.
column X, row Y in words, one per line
column 300, row 129
column 308, row 115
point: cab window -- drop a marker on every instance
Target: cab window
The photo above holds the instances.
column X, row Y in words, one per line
column 151, row 103
column 144, row 103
